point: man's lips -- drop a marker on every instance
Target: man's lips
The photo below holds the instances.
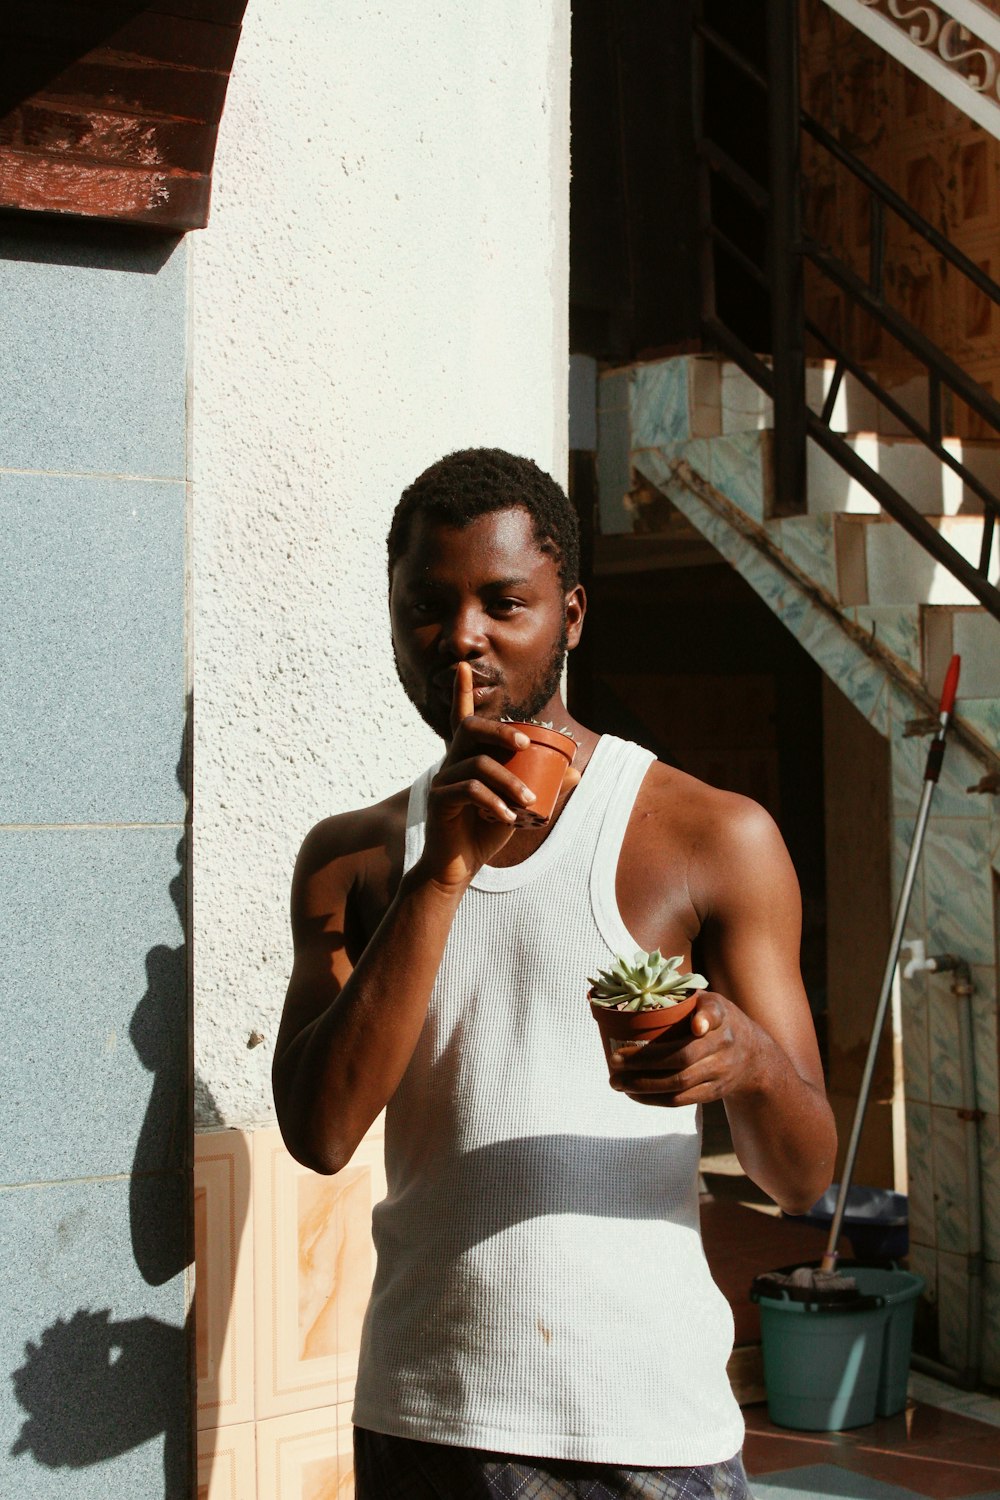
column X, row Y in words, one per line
column 482, row 686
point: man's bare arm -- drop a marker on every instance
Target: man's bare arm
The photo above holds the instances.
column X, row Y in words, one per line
column 349, row 1030
column 754, row 1042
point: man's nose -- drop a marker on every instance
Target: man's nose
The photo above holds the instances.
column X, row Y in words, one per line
column 462, row 635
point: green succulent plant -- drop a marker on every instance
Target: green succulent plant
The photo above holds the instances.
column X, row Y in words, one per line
column 649, row 982
column 540, row 724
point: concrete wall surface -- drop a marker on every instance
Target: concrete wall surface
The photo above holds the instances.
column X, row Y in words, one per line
column 384, row 279
column 94, row 1017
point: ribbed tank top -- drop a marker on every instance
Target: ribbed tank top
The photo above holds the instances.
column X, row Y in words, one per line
column 541, row 1286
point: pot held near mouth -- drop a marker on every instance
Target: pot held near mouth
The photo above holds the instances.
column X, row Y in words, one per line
column 541, row 767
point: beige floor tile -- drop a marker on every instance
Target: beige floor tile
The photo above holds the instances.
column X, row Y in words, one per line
column 223, row 1278
column 314, row 1263
column 306, row 1456
column 227, row 1463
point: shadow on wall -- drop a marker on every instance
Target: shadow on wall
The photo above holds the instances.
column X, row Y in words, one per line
column 93, row 1387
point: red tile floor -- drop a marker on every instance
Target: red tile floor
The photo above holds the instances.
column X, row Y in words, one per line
column 925, row 1451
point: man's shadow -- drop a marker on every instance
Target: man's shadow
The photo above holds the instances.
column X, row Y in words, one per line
column 93, row 1387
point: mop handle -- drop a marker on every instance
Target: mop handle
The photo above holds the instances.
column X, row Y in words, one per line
column 935, row 756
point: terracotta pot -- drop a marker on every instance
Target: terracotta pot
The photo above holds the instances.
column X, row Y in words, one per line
column 627, row 1030
column 542, row 767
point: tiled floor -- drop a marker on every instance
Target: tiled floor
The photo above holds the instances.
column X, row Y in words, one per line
column 925, row 1451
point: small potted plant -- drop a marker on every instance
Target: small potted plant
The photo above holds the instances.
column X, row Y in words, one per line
column 541, row 767
column 635, row 1003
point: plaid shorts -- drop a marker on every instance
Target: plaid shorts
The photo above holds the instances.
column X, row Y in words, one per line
column 394, row 1468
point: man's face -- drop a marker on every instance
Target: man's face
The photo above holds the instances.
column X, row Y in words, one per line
column 482, row 593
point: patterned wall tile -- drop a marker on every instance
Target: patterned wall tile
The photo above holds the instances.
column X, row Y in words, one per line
column 893, row 627
column 959, row 771
column 989, row 1166
column 776, row 589
column 742, row 471
column 223, row 1278
column 698, row 452
column 916, row 1056
column 227, row 1463
column 985, row 1038
column 990, row 1352
column 808, row 542
column 915, row 928
column 920, row 1163
column 923, row 1262
column 857, row 676
column 982, row 716
column 953, row 1309
column 951, row 1182
column 660, row 403
column 313, row 1267
column 959, row 895
column 306, row 1456
column 949, row 1086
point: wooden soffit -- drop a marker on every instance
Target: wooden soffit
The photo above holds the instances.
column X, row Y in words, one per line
column 110, row 109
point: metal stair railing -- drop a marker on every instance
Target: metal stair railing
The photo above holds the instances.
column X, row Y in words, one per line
column 778, row 203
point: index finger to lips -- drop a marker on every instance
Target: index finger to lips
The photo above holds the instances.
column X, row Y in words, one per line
column 463, row 702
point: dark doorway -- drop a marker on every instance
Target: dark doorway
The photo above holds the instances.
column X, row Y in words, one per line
column 689, row 661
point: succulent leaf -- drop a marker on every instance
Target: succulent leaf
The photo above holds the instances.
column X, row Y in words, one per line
column 649, row 982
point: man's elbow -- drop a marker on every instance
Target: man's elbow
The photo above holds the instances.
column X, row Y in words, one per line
column 322, row 1156
column 798, row 1197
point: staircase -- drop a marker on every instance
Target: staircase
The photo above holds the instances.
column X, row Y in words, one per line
column 700, row 432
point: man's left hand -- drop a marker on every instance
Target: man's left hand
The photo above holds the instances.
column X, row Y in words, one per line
column 720, row 1052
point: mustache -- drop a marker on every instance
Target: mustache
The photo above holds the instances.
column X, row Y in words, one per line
column 481, row 677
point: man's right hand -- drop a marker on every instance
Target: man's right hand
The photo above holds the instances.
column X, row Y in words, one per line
column 473, row 799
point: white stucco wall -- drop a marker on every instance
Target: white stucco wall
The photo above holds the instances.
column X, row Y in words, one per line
column 384, row 279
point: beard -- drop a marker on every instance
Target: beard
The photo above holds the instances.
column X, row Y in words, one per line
column 436, row 712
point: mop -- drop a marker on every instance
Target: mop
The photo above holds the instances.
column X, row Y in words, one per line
column 826, row 1284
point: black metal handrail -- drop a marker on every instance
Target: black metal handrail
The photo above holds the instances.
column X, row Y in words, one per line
column 778, row 204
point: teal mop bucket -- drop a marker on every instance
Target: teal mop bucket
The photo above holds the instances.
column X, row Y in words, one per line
column 830, row 1365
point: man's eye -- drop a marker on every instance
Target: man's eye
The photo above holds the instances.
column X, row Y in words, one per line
column 505, row 606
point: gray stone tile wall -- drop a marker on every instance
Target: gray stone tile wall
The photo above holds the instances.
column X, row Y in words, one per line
column 95, row 1090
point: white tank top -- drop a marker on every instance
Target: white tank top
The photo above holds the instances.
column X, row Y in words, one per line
column 541, row 1284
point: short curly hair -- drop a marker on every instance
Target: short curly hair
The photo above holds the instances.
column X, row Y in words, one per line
column 477, row 481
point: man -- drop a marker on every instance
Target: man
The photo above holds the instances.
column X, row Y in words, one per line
column 542, row 1321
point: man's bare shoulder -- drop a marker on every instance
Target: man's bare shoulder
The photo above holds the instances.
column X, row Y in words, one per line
column 348, row 834
column 723, row 837
column 360, row 851
column 697, row 810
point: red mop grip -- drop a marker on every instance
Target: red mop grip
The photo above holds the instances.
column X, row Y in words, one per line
column 936, row 753
column 950, row 685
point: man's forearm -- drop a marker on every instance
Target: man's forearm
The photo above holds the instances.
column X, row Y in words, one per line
column 783, row 1131
column 339, row 1071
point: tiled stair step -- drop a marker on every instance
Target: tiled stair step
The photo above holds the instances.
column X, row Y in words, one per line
column 920, row 477
column 851, row 556
column 877, row 562
column 975, row 635
column 744, row 407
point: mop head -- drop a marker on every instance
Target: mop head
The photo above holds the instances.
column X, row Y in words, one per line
column 806, row 1284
